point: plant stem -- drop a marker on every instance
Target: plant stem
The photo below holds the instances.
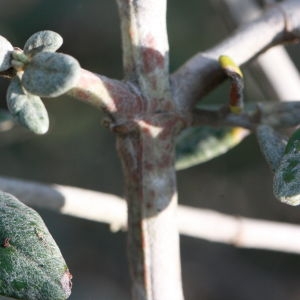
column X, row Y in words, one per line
column 147, row 154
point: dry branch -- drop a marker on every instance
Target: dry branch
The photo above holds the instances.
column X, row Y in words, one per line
column 194, row 222
column 201, row 73
column 274, row 72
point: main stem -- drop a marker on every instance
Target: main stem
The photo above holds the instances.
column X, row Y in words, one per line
column 146, row 148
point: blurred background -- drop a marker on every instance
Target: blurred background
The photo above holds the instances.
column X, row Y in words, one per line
column 78, row 151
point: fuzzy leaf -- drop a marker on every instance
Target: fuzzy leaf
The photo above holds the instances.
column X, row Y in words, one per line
column 28, row 109
column 51, row 74
column 31, row 264
column 5, row 51
column 286, row 185
column 272, row 145
column 200, row 144
column 46, row 40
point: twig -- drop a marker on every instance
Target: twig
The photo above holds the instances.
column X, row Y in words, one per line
column 147, row 155
column 113, row 96
column 194, row 222
column 202, row 73
column 280, row 77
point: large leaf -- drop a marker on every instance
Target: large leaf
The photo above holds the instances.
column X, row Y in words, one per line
column 46, row 40
column 28, row 109
column 200, row 144
column 50, row 74
column 31, row 265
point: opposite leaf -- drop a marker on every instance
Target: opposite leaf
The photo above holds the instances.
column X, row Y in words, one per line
column 46, row 40
column 51, row 74
column 286, row 185
column 200, row 144
column 31, row 264
column 5, row 52
column 28, row 109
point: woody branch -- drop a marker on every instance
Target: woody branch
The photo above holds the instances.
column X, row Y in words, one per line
column 201, row 73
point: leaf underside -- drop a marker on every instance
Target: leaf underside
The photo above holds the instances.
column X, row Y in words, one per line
column 200, row 144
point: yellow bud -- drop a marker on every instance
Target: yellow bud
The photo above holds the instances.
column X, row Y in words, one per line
column 228, row 64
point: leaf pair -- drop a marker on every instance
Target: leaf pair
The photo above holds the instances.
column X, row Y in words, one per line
column 40, row 73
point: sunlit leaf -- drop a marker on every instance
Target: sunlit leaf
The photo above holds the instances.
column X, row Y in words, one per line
column 31, row 264
column 46, row 40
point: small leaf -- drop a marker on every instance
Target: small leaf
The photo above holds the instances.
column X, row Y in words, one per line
column 287, row 177
column 46, row 40
column 200, row 144
column 51, row 74
column 28, row 109
column 272, row 145
column 31, row 264
column 5, row 53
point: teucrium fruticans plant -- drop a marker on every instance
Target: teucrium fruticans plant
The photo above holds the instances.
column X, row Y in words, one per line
column 40, row 72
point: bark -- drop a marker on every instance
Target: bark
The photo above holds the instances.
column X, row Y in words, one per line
column 146, row 148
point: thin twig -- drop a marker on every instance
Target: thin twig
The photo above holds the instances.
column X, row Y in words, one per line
column 193, row 222
column 273, row 71
column 200, row 74
column 113, row 96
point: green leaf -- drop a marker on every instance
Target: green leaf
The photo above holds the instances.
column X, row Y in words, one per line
column 50, row 74
column 46, row 40
column 293, row 145
column 31, row 264
column 272, row 145
column 200, row 144
column 286, row 185
column 6, row 49
column 28, row 109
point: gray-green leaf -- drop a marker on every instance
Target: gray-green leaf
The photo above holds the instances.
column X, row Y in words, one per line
column 31, row 264
column 286, row 185
column 46, row 40
column 28, row 109
column 51, row 74
column 5, row 53
column 272, row 145
column 200, row 144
